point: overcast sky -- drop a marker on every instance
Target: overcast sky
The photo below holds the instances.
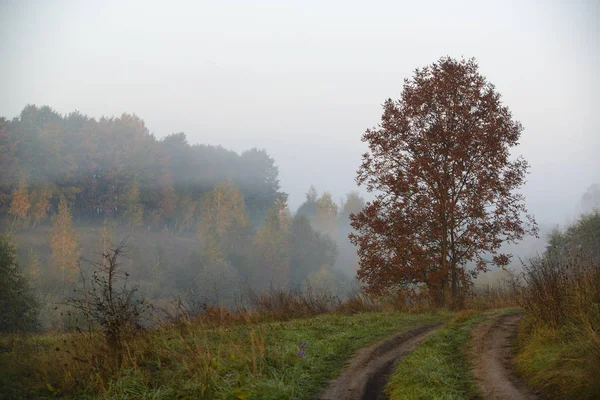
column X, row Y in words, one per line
column 304, row 79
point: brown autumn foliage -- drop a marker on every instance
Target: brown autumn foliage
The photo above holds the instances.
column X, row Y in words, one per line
column 446, row 187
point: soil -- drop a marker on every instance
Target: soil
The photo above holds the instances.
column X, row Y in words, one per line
column 493, row 349
column 367, row 373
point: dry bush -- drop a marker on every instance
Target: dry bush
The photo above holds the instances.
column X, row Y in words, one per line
column 563, row 287
column 271, row 305
column 358, row 302
column 559, row 342
column 113, row 314
column 463, row 315
column 280, row 304
column 503, row 294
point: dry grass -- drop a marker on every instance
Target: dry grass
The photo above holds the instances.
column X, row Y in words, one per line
column 559, row 341
column 215, row 357
column 564, row 363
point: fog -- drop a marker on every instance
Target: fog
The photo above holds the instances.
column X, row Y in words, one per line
column 304, row 79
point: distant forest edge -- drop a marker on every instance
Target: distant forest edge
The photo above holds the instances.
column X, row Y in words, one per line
column 114, row 167
column 198, row 219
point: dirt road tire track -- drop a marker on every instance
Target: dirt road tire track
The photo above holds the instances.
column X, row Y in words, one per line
column 492, row 346
column 367, row 373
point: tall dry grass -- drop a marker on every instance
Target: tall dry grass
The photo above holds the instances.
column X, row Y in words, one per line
column 186, row 343
column 559, row 342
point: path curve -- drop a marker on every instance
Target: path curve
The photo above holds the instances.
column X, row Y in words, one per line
column 367, row 373
column 493, row 347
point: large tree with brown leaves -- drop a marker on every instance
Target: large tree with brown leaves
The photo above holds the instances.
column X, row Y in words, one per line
column 445, row 183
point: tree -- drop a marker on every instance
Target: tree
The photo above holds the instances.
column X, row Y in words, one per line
column 322, row 282
column 309, row 207
column 65, row 249
column 41, row 204
column 134, row 210
column 309, row 249
column 347, row 259
column 271, row 251
column 222, row 220
column 18, row 306
column 283, row 212
column 223, row 211
column 590, row 201
column 215, row 273
column 9, row 162
column 259, row 183
column 20, row 204
column 99, row 162
column 187, row 213
column 326, row 214
column 446, row 187
column 353, row 204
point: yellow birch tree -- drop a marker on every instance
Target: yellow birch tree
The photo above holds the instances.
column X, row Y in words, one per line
column 65, row 248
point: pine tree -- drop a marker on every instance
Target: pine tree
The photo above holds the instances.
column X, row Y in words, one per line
column 18, row 307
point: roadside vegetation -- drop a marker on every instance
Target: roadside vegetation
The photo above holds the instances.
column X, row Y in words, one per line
column 440, row 367
column 199, row 359
column 559, row 339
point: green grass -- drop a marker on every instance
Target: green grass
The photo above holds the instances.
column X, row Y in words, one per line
column 563, row 363
column 440, row 367
column 245, row 361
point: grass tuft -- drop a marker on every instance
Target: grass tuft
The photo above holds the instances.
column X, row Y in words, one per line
column 563, row 363
column 438, row 369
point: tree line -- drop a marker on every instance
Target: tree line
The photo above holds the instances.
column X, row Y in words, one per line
column 198, row 218
column 114, row 167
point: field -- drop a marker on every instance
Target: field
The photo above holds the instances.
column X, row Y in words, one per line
column 275, row 360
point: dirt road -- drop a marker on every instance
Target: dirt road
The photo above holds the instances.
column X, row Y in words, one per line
column 492, row 346
column 368, row 372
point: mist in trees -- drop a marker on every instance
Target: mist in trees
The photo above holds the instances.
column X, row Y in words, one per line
column 206, row 220
column 115, row 167
column 195, row 219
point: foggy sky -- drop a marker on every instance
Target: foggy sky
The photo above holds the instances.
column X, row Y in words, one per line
column 304, row 79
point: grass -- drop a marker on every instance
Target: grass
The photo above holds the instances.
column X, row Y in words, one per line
column 199, row 361
column 440, row 368
column 563, row 363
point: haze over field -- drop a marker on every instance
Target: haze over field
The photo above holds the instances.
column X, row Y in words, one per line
column 304, row 79
column 181, row 215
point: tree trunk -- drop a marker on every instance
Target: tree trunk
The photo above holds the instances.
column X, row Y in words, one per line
column 437, row 293
column 444, row 270
column 454, row 272
column 454, row 303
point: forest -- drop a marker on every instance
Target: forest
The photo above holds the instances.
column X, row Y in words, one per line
column 198, row 221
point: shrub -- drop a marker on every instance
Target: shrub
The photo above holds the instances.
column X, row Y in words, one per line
column 116, row 311
column 18, row 306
